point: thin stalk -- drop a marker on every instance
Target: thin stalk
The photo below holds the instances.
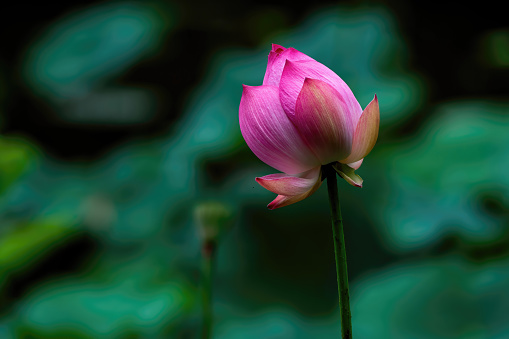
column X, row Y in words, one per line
column 208, row 254
column 340, row 254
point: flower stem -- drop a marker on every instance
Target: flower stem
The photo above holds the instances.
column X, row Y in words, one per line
column 340, row 253
column 208, row 254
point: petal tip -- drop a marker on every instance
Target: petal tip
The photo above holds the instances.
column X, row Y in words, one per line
column 247, row 88
column 289, row 62
column 313, row 82
column 274, row 204
column 275, row 47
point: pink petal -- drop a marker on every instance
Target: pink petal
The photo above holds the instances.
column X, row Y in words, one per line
column 366, row 133
column 285, row 184
column 276, row 47
column 356, row 165
column 312, row 184
column 293, row 77
column 323, row 121
column 270, row 134
column 277, row 58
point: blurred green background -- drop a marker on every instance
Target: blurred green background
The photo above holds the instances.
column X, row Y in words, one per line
column 119, row 118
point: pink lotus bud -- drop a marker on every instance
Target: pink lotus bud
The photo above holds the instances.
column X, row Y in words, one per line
column 302, row 117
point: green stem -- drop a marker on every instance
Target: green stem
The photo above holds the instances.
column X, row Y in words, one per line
column 340, row 252
column 208, row 253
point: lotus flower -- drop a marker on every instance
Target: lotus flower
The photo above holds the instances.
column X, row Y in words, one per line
column 302, row 117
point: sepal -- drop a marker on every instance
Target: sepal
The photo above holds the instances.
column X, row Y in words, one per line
column 348, row 173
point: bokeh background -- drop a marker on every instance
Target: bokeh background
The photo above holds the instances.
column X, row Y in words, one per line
column 119, row 118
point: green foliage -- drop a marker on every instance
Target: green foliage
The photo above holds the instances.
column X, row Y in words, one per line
column 123, row 304
column 444, row 173
column 495, row 49
column 92, row 46
column 16, row 156
column 22, row 247
column 442, row 298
